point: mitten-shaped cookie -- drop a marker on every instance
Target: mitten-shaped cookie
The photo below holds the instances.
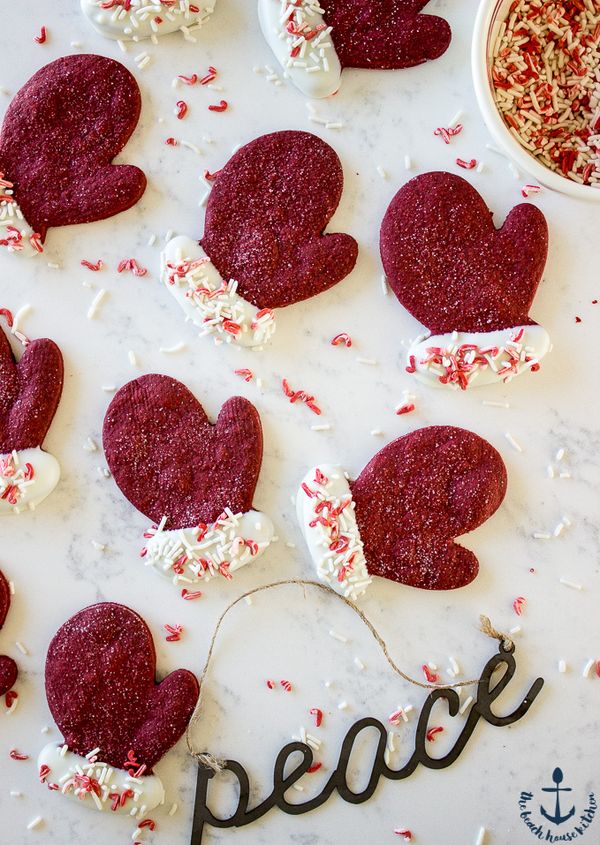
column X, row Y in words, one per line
column 470, row 284
column 116, row 720
column 195, row 480
column 58, row 139
column 30, row 390
column 132, row 20
column 8, row 667
column 315, row 39
column 400, row 518
column 264, row 245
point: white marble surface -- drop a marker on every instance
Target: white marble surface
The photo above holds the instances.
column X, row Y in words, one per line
column 49, row 554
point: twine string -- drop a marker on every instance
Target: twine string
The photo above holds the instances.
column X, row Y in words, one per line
column 211, row 762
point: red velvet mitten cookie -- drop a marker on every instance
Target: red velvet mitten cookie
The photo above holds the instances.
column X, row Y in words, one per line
column 400, row 518
column 8, row 667
column 470, row 284
column 132, row 20
column 58, row 139
column 264, row 245
column 315, row 39
column 116, row 720
column 195, row 480
column 30, row 390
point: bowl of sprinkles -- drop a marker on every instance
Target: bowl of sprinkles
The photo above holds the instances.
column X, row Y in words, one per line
column 536, row 71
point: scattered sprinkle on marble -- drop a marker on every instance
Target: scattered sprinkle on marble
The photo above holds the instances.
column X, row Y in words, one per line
column 338, row 637
column 572, row 584
column 514, row 443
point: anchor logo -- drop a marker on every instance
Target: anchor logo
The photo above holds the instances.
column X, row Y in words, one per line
column 557, row 818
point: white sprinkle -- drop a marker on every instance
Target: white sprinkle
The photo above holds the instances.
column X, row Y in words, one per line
column 90, row 445
column 370, row 361
column 560, row 454
column 21, row 647
column 343, row 705
column 494, row 149
column 562, row 667
column 170, row 234
column 541, row 535
column 513, row 442
column 13, row 707
column 11, row 586
column 466, row 704
column 297, row 787
column 326, row 684
column 572, row 584
column 95, row 303
column 248, row 600
column 14, row 793
column 457, row 118
column 514, row 170
column 171, row 350
column 384, row 285
column 108, row 388
column 407, row 162
column 480, row 167
column 76, row 44
column 480, row 836
column 152, row 240
column 204, row 199
column 338, row 637
column 587, row 668
column 132, row 358
column 100, row 547
column 452, row 661
column 53, row 265
column 321, row 427
column 550, row 471
column 516, row 630
column 359, row 664
column 104, row 472
column 45, row 729
column 492, row 404
column 289, row 545
column 21, row 313
column 35, row 823
column 376, row 432
column 381, row 172
column 565, row 474
column 558, row 530
column 173, row 810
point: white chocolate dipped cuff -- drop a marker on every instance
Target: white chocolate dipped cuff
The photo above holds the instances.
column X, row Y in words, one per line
column 326, row 513
column 192, row 556
column 147, row 18
column 463, row 359
column 27, row 477
column 301, row 42
column 208, row 301
column 96, row 784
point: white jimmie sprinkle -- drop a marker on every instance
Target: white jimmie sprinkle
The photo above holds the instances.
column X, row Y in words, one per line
column 35, row 823
column 480, row 836
column 516, row 446
column 572, row 584
column 587, row 668
column 338, row 637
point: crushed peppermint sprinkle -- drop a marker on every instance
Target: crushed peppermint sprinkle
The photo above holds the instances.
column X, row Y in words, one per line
column 210, row 76
column 42, row 37
column 307, row 37
column 528, row 190
column 300, row 396
column 222, row 105
column 318, row 714
column 223, row 310
column 181, row 109
column 467, row 165
column 246, row 374
column 16, row 755
column 449, row 133
column 518, row 605
column 132, row 265
column 460, row 363
column 431, row 676
column 433, row 732
column 174, row 633
column 404, row 832
column 94, row 267
column 343, row 561
column 343, row 338
column 286, row 685
column 141, row 11
column 15, row 478
column 546, row 79
column 202, row 553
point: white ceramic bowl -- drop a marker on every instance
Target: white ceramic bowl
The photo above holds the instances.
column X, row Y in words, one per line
column 489, row 18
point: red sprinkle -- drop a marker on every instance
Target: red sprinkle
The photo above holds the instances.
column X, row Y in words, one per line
column 467, row 165
column 210, row 177
column 448, row 133
column 171, row 142
column 247, row 375
column 41, row 38
column 10, row 697
column 407, row 408
column 412, row 365
column 286, row 685
column 223, row 106
column 149, row 823
column 182, row 109
column 314, row 768
column 431, row 676
column 271, row 684
column 598, row 668
column 212, row 74
column 433, row 732
column 94, row 267
column 43, row 773
column 407, row 834
column 527, row 190
column 174, row 631
column 519, row 604
column 342, row 338
column 189, row 80
column 14, row 755
column 190, row 596
column 300, row 396
column 318, row 714
column 578, row 319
